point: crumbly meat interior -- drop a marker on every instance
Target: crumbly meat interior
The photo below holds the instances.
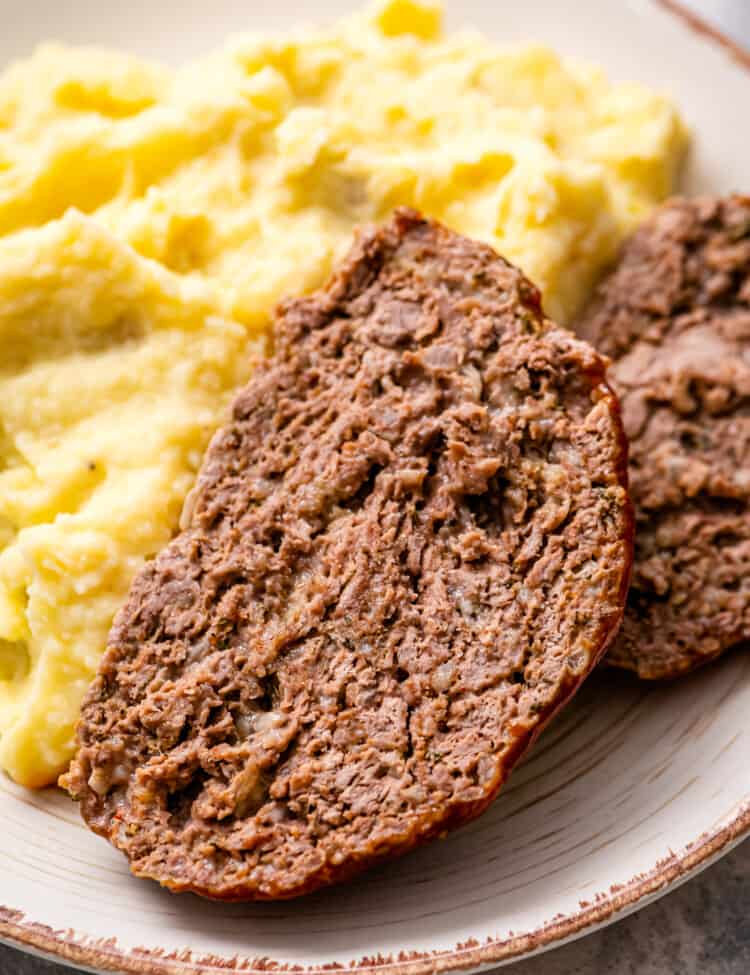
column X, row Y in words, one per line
column 675, row 317
column 403, row 554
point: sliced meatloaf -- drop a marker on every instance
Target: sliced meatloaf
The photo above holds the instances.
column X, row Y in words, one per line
column 675, row 317
column 405, row 551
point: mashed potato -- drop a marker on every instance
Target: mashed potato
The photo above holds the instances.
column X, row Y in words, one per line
column 114, row 375
column 151, row 218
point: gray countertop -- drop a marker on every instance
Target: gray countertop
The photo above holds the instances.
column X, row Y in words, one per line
column 701, row 929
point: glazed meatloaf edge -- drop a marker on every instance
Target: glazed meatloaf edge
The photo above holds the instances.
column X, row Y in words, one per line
column 674, row 315
column 405, row 551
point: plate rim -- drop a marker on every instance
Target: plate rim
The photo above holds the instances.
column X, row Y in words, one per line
column 105, row 955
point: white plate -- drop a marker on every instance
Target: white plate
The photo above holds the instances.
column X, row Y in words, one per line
column 631, row 791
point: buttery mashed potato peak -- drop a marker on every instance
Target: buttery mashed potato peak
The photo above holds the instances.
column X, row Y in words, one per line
column 150, row 219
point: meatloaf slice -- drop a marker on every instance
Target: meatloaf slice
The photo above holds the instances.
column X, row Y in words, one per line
column 404, row 553
column 675, row 317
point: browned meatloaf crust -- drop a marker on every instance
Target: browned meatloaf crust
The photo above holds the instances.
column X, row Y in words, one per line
column 405, row 552
column 675, row 317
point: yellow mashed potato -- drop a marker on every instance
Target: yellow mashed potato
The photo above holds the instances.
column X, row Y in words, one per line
column 149, row 220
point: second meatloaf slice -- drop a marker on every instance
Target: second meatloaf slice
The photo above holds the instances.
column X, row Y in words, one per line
column 405, row 552
column 674, row 314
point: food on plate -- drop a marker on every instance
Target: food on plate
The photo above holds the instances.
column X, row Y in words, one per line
column 114, row 373
column 403, row 555
column 243, row 174
column 675, row 317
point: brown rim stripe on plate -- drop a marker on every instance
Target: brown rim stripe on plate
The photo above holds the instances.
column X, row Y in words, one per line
column 107, row 955
column 701, row 26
